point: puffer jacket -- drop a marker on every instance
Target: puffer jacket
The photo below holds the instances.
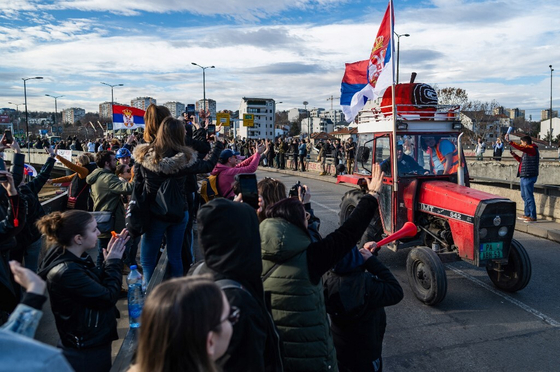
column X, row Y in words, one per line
column 295, row 284
column 82, row 297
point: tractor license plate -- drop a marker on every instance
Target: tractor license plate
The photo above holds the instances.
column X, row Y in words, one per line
column 491, row 251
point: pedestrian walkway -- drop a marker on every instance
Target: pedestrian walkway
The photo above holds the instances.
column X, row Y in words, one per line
column 542, row 228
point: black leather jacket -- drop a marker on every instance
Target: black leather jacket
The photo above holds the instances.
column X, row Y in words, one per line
column 82, row 297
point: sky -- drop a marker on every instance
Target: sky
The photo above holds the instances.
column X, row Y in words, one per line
column 288, row 50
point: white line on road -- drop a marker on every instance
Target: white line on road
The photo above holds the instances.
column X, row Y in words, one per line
column 520, row 304
column 326, row 207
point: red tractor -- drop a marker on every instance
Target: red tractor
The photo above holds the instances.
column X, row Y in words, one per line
column 454, row 221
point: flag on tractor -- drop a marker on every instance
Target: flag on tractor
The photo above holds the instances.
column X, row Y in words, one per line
column 367, row 80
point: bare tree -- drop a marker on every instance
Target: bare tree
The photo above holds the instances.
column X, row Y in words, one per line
column 452, row 96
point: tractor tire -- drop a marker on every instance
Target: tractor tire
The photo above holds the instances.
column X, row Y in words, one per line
column 349, row 202
column 516, row 274
column 426, row 275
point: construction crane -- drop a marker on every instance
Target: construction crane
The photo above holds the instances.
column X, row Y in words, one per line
column 331, row 98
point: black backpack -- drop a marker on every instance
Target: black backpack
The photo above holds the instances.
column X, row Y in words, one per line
column 170, row 202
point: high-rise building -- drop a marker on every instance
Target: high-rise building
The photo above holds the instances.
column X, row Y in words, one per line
column 142, row 103
column 263, row 110
column 176, row 108
column 106, row 111
column 72, row 115
column 545, row 116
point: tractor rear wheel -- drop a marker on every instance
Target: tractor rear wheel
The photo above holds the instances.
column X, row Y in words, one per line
column 515, row 275
column 426, row 275
column 349, row 202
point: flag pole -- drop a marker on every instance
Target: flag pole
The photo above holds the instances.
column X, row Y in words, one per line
column 394, row 106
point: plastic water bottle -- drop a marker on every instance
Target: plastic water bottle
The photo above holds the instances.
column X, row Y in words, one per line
column 135, row 296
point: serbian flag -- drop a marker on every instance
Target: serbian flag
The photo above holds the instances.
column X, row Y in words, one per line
column 367, row 80
column 125, row 117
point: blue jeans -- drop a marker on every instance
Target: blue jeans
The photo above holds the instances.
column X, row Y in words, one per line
column 527, row 185
column 151, row 242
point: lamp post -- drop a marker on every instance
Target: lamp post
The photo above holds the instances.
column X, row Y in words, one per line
column 27, row 114
column 17, row 111
column 203, row 82
column 112, row 99
column 550, row 112
column 305, row 103
column 55, row 106
column 399, row 51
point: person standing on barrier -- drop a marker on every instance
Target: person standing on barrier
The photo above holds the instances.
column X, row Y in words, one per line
column 528, row 172
column 498, row 148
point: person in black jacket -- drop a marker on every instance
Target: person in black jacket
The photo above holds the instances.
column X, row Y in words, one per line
column 82, row 296
column 355, row 300
column 167, row 157
column 229, row 237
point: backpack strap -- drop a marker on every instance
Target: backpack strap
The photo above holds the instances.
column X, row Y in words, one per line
column 231, row 284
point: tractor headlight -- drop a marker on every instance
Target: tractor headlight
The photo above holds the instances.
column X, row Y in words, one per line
column 503, row 231
column 482, row 233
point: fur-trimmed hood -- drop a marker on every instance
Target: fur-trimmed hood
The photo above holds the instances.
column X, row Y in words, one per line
column 144, row 155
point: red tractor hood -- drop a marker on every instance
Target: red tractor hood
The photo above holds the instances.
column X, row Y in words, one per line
column 451, row 200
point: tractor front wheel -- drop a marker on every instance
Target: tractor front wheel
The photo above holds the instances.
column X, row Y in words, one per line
column 514, row 275
column 426, row 275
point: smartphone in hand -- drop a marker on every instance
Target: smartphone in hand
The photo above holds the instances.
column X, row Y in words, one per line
column 248, row 188
column 8, row 138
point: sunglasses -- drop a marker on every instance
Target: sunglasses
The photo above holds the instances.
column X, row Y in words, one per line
column 233, row 317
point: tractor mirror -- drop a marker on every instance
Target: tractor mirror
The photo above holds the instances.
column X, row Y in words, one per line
column 363, row 154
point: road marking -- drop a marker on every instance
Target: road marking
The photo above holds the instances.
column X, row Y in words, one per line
column 520, row 304
column 326, row 207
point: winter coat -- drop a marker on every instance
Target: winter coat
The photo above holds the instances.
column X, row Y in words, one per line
column 226, row 174
column 295, row 284
column 106, row 191
column 83, row 298
column 355, row 301
column 149, row 175
column 229, row 238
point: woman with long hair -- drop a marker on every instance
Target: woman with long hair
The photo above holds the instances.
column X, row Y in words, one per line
column 167, row 157
column 83, row 298
column 293, row 264
column 186, row 325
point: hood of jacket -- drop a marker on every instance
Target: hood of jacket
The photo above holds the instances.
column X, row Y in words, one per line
column 145, row 156
column 280, row 240
column 229, row 237
column 94, row 176
column 57, row 255
column 219, row 168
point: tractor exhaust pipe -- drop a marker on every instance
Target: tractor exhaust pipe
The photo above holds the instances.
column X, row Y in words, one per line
column 461, row 167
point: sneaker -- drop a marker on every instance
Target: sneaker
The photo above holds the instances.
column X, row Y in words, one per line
column 530, row 219
column 522, row 218
column 322, row 173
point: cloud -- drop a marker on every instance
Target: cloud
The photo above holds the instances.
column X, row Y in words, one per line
column 287, row 68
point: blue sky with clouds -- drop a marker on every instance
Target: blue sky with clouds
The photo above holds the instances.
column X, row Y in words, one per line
column 289, row 50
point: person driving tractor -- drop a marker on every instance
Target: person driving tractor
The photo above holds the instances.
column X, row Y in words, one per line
column 405, row 164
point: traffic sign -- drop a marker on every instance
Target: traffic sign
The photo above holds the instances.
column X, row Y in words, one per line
column 222, row 119
column 248, row 120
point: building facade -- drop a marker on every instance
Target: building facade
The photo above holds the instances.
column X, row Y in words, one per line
column 545, row 114
column 176, row 108
column 263, row 110
column 142, row 103
column 294, row 114
column 316, row 125
column 545, row 128
column 72, row 115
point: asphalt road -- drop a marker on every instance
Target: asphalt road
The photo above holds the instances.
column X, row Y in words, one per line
column 476, row 327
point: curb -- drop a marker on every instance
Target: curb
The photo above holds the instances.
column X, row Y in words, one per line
column 545, row 229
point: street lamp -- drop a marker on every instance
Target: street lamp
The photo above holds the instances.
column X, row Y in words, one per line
column 305, row 103
column 112, row 99
column 550, row 113
column 27, row 114
column 203, row 82
column 55, row 106
column 17, row 111
column 399, row 51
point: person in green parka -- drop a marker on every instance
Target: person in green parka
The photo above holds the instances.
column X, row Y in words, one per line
column 293, row 265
